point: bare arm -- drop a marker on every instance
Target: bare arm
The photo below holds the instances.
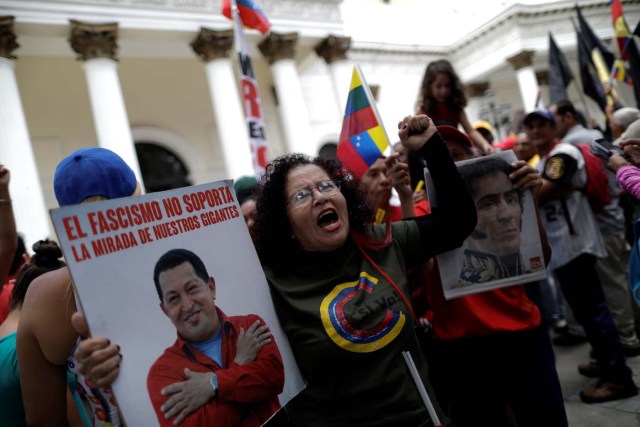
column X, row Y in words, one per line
column 8, row 237
column 45, row 339
column 475, row 136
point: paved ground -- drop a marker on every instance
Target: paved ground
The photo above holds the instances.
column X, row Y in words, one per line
column 620, row 413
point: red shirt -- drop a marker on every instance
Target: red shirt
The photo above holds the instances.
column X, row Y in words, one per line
column 247, row 394
column 444, row 114
column 486, row 313
column 421, row 208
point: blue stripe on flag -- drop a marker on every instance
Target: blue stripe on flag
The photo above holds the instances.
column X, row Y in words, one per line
column 366, row 147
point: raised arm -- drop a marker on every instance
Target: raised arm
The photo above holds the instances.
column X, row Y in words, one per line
column 455, row 218
column 398, row 173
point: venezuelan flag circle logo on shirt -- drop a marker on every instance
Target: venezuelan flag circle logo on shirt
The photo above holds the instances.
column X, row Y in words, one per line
column 343, row 333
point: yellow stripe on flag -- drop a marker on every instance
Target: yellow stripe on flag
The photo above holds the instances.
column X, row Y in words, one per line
column 620, row 28
column 379, row 136
column 355, row 79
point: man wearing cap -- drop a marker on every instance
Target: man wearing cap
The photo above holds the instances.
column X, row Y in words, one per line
column 576, row 242
column 222, row 370
column 512, row 368
column 46, row 337
column 459, row 144
column 612, row 269
column 377, row 182
column 485, row 129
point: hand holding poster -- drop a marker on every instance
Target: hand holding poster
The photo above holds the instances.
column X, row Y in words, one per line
column 174, row 280
column 505, row 248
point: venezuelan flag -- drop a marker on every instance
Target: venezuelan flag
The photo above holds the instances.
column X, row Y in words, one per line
column 620, row 73
column 620, row 28
column 363, row 138
column 250, row 14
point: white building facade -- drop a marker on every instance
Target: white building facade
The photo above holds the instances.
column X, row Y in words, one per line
column 157, row 81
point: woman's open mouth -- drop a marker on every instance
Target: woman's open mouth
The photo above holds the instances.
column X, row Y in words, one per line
column 328, row 220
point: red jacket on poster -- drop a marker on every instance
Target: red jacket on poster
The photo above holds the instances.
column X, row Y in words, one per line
column 247, row 394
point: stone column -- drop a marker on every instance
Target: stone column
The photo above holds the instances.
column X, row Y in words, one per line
column 213, row 47
column 475, row 100
column 279, row 49
column 15, row 146
column 96, row 46
column 333, row 50
column 543, row 81
column 523, row 64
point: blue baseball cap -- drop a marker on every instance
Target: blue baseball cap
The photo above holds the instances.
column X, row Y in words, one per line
column 91, row 172
column 542, row 113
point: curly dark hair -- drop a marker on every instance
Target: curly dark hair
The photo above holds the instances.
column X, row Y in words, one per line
column 272, row 229
column 426, row 102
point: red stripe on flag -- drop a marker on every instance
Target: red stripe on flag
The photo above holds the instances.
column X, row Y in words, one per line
column 616, row 10
column 358, row 122
column 251, row 15
column 351, row 159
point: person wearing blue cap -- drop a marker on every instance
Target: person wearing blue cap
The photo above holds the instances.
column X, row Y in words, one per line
column 46, row 338
column 576, row 244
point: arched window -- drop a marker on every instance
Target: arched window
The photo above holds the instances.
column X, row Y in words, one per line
column 161, row 168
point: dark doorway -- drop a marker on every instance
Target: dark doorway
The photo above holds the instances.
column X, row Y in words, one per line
column 161, row 168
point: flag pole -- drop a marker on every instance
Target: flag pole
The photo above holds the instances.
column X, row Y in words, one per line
column 423, row 392
column 253, row 116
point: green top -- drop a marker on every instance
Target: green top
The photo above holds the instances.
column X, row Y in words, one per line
column 348, row 327
column 11, row 408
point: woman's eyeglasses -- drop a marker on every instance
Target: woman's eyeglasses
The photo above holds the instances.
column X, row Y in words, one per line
column 304, row 196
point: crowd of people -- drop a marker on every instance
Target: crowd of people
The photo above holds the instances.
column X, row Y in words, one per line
column 321, row 234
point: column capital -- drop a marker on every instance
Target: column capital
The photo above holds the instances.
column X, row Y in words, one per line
column 7, row 37
column 212, row 44
column 542, row 77
column 91, row 41
column 475, row 90
column 279, row 46
column 521, row 59
column 333, row 48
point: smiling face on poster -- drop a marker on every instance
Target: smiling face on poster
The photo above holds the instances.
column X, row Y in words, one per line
column 505, row 248
column 173, row 278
